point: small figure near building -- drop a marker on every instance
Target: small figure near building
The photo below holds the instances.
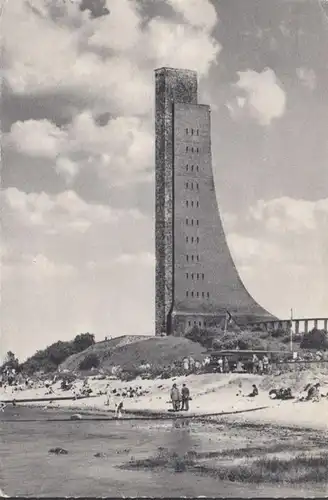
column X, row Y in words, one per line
column 265, row 364
column 260, row 366
column 239, row 367
column 207, row 361
column 255, row 362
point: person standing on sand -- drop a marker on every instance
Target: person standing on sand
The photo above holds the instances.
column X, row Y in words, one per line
column 185, row 395
column 108, row 395
column 255, row 361
column 119, row 409
column 226, row 368
column 265, row 364
column 186, row 364
column 261, row 366
column 175, row 397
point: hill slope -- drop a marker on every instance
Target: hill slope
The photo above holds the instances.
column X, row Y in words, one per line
column 131, row 351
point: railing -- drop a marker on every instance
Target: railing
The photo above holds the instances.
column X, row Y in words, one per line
column 295, row 324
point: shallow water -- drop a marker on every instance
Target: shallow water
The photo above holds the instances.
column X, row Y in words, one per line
column 27, row 469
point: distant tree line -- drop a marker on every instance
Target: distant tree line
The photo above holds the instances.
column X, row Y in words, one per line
column 10, row 363
column 49, row 359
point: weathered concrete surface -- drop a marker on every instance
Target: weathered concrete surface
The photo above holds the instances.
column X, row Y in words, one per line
column 196, row 278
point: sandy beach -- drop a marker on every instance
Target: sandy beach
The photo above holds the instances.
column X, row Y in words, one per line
column 211, row 394
column 227, row 444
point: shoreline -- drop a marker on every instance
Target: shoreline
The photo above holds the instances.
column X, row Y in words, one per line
column 217, row 396
column 251, row 416
column 169, row 415
column 123, row 457
column 228, row 418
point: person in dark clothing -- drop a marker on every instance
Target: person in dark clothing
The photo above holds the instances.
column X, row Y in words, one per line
column 313, row 393
column 226, row 367
column 254, row 392
column 185, row 395
column 175, row 397
column 255, row 361
column 119, row 409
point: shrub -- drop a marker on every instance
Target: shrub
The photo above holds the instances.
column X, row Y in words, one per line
column 244, row 340
column 202, row 337
column 90, row 361
column 10, row 363
column 316, row 339
column 83, row 341
column 278, row 333
column 128, row 375
column 49, row 359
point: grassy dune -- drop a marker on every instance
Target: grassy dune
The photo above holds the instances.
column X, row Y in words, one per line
column 299, row 469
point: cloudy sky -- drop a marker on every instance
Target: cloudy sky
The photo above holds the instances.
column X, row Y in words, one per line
column 78, row 155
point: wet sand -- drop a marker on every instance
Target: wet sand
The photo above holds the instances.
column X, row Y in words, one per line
column 27, row 468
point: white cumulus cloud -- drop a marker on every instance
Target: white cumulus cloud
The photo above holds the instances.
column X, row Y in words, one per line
column 107, row 64
column 120, row 152
column 69, row 265
column 281, row 249
column 200, row 13
column 105, row 60
column 263, row 97
column 36, row 138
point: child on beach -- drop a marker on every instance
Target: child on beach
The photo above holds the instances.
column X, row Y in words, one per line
column 119, row 409
column 254, row 392
column 108, row 395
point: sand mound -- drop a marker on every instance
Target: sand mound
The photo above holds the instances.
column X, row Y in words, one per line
column 103, row 350
column 297, row 378
column 131, row 351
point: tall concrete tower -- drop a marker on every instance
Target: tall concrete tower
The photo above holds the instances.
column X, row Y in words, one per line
column 196, row 279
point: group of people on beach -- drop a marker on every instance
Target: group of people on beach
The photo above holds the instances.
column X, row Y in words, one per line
column 311, row 392
column 260, row 365
column 257, row 365
column 180, row 399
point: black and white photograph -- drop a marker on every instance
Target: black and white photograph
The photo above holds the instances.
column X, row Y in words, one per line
column 164, row 248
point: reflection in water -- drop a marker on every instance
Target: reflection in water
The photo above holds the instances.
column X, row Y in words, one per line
column 181, row 440
column 101, row 451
